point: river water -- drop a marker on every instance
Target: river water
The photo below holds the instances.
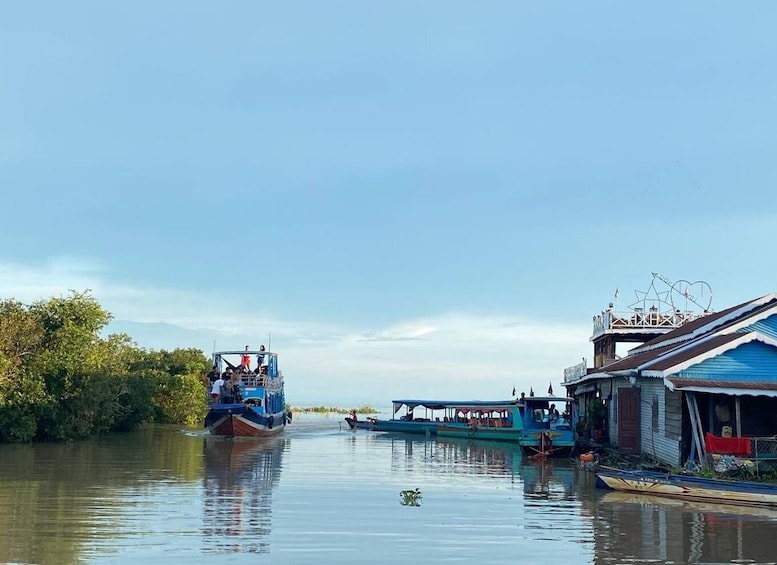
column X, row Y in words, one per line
column 323, row 494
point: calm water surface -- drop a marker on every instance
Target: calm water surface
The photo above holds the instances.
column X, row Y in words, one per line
column 327, row 495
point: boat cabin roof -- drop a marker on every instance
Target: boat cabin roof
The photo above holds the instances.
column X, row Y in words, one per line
column 442, row 404
column 555, row 399
column 242, row 352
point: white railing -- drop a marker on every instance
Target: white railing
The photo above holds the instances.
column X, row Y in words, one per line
column 639, row 319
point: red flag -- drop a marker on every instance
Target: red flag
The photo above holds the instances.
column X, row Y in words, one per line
column 550, row 389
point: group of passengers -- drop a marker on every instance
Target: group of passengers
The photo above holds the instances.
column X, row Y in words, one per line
column 225, row 387
column 262, row 361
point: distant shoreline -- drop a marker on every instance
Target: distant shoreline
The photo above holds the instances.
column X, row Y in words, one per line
column 364, row 409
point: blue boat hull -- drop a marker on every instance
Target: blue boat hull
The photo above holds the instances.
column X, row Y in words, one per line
column 241, row 420
column 401, row 426
column 465, row 431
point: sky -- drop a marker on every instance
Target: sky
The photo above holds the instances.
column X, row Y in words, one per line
column 409, row 199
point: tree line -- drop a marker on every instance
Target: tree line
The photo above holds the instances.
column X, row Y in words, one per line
column 60, row 379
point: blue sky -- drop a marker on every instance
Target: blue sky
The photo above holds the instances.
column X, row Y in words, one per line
column 413, row 198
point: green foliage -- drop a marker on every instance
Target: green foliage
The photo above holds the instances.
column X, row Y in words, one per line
column 596, row 412
column 176, row 362
column 180, row 399
column 60, row 380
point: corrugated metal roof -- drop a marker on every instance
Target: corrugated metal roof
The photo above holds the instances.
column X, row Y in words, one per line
column 680, row 383
column 659, row 358
column 633, row 361
column 684, row 354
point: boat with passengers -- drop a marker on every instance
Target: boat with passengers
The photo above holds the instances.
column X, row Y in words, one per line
column 420, row 416
column 257, row 406
column 548, row 431
column 492, row 421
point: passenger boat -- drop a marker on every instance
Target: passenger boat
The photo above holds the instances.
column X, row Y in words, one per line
column 687, row 487
column 436, row 413
column 546, row 431
column 497, row 422
column 259, row 407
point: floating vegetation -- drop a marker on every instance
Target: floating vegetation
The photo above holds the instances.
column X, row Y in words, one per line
column 410, row 497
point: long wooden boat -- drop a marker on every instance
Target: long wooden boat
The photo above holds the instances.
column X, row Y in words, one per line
column 436, row 413
column 688, row 487
column 258, row 409
column 494, row 422
column 548, row 432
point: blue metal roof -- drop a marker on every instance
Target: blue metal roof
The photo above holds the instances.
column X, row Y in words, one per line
column 440, row 404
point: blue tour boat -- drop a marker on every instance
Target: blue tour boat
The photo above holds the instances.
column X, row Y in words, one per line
column 548, row 432
column 258, row 408
column 436, row 413
column 493, row 421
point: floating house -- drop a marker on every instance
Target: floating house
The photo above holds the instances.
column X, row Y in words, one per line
column 700, row 381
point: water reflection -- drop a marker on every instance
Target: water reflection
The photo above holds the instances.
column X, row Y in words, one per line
column 451, row 456
column 650, row 527
column 56, row 499
column 549, row 479
column 162, row 494
column 239, row 478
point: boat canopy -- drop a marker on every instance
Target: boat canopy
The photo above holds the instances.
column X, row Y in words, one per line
column 547, row 399
column 458, row 404
column 241, row 352
column 271, row 359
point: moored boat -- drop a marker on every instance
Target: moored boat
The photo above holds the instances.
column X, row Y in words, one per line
column 496, row 423
column 688, row 487
column 436, row 413
column 258, row 406
column 546, row 431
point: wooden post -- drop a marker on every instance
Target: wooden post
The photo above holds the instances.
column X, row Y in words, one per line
column 737, row 410
column 696, row 427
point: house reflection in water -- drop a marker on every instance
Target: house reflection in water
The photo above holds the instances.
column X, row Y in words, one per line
column 664, row 529
column 239, row 478
column 549, row 479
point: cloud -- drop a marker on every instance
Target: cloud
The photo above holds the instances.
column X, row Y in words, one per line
column 451, row 355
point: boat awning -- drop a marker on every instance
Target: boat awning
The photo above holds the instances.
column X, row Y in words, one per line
column 730, row 388
column 442, row 404
column 548, row 399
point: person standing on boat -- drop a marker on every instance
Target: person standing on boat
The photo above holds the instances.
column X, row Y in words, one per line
column 215, row 390
column 261, row 360
column 245, row 360
column 213, row 375
column 228, row 391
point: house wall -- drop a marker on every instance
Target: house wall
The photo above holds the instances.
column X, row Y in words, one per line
column 660, row 437
column 754, row 361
